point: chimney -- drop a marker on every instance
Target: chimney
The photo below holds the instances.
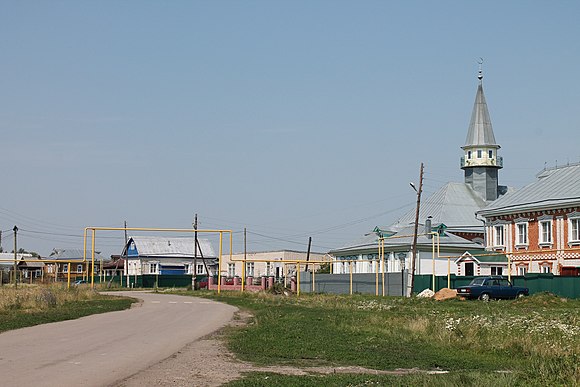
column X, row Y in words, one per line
column 428, row 228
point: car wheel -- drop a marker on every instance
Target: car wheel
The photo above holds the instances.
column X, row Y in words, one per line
column 484, row 297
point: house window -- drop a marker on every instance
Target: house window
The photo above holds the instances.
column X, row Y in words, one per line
column 231, row 269
column 469, row 155
column 575, row 230
column 38, row 273
column 522, row 233
column 65, row 268
column 522, row 270
column 50, row 268
column 479, row 153
column 499, row 235
column 491, row 154
column 250, row 269
column 496, row 270
column 200, row 269
column 268, row 268
column 153, row 268
column 546, row 269
column 79, row 268
column 546, row 231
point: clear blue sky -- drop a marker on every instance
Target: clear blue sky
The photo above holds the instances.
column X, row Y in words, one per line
column 292, row 118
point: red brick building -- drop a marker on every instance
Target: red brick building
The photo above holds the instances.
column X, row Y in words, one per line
column 538, row 226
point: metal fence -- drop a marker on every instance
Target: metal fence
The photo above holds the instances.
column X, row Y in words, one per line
column 568, row 287
column 394, row 284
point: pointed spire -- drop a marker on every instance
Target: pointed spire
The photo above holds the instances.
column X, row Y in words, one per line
column 480, row 131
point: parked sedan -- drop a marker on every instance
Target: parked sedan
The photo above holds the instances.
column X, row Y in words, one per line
column 485, row 288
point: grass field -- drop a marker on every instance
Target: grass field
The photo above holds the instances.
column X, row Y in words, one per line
column 32, row 305
column 531, row 341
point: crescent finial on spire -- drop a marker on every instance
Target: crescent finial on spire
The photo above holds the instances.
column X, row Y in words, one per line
column 480, row 74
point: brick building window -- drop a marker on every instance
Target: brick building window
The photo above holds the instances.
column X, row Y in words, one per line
column 499, row 236
column 546, row 232
column 522, row 234
column 574, row 227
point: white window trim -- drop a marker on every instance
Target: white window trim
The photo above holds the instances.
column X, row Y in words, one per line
column 497, row 268
column 231, row 269
column 495, row 235
column 541, row 241
column 250, row 269
column 571, row 241
column 519, row 243
column 79, row 266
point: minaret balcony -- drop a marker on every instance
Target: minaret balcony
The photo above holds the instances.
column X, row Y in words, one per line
column 481, row 162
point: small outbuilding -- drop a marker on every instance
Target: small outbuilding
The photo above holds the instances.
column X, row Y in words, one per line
column 477, row 262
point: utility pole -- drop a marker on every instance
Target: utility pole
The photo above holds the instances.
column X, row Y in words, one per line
column 15, row 229
column 308, row 253
column 194, row 275
column 414, row 248
column 126, row 263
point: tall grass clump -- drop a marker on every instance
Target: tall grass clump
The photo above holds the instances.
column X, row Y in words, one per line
column 30, row 305
column 41, row 297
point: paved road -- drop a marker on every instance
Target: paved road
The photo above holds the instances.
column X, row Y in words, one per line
column 101, row 349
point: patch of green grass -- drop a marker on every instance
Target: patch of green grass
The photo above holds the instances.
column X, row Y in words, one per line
column 535, row 340
column 28, row 306
column 259, row 379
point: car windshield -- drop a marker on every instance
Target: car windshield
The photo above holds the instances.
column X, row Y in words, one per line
column 477, row 281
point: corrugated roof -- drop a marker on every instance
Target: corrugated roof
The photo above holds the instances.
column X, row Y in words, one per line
column 480, row 131
column 454, row 204
column 172, row 247
column 404, row 239
column 72, row 254
column 36, row 263
column 554, row 188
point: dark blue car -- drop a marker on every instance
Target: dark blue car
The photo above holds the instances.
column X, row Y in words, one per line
column 485, row 288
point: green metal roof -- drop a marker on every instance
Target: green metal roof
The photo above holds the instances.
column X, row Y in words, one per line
column 485, row 258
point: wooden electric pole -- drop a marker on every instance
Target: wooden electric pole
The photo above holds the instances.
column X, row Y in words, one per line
column 15, row 229
column 414, row 248
column 308, row 253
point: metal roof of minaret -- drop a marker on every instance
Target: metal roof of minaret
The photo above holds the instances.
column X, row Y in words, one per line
column 480, row 131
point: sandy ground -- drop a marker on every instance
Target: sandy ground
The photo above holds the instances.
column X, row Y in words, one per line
column 208, row 363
